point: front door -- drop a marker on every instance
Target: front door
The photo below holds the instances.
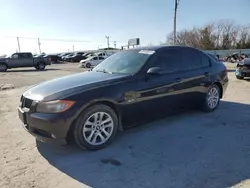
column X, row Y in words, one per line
column 157, row 95
column 13, row 61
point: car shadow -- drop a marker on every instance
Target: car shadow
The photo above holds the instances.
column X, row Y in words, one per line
column 31, row 70
column 192, row 149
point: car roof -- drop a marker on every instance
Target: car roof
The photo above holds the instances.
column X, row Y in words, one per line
column 156, row 48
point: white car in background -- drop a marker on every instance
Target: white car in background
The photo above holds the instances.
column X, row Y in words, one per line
column 91, row 61
column 104, row 54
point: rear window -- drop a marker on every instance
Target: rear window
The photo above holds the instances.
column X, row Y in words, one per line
column 214, row 57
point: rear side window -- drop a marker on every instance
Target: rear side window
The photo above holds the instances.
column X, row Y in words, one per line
column 25, row 55
column 205, row 61
column 191, row 59
column 169, row 60
column 95, row 58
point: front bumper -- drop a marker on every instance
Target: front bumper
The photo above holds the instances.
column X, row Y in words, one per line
column 49, row 128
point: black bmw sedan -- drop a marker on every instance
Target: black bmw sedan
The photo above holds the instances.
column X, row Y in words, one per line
column 128, row 88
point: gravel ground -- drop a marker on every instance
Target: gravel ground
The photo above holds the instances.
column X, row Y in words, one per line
column 190, row 150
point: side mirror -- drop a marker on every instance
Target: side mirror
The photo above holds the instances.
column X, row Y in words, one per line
column 154, row 70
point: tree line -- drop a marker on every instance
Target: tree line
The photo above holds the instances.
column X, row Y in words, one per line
column 219, row 35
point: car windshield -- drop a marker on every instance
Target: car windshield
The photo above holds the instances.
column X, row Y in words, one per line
column 125, row 62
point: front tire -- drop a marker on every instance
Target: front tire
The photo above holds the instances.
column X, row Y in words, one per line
column 212, row 99
column 96, row 127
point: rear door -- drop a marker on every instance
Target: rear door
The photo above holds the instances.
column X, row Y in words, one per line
column 195, row 69
column 94, row 61
column 26, row 60
column 101, row 59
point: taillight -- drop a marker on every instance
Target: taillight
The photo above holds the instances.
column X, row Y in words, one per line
column 49, row 59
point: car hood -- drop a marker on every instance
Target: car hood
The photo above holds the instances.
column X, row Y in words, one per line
column 84, row 60
column 62, row 87
column 2, row 59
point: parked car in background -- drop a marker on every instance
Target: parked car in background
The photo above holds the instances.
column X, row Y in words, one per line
column 243, row 69
column 103, row 54
column 128, row 88
column 54, row 58
column 24, row 59
column 67, row 56
column 62, row 55
column 80, row 53
column 39, row 55
column 91, row 61
column 75, row 58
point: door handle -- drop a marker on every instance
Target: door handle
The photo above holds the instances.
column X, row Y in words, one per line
column 177, row 79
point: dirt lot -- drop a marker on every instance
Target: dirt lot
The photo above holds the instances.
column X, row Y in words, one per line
column 189, row 150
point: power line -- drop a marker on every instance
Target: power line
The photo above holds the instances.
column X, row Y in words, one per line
column 60, row 40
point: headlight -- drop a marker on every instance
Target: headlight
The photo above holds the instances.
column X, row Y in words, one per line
column 54, row 106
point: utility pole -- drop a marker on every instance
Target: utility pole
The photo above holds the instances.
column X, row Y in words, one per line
column 114, row 44
column 107, row 37
column 18, row 44
column 73, row 48
column 39, row 45
column 175, row 13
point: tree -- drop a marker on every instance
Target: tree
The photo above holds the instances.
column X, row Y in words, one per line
column 223, row 34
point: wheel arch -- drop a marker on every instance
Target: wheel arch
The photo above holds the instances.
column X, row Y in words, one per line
column 106, row 102
column 4, row 63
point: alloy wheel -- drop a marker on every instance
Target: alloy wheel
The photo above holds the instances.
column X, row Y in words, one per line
column 98, row 128
column 213, row 97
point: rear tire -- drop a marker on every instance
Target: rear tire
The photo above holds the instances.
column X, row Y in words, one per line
column 96, row 127
column 40, row 66
column 212, row 99
column 3, row 67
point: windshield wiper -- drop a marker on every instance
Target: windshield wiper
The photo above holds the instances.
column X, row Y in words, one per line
column 104, row 71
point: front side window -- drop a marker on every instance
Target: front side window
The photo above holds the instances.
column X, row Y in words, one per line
column 15, row 56
column 124, row 62
column 169, row 61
